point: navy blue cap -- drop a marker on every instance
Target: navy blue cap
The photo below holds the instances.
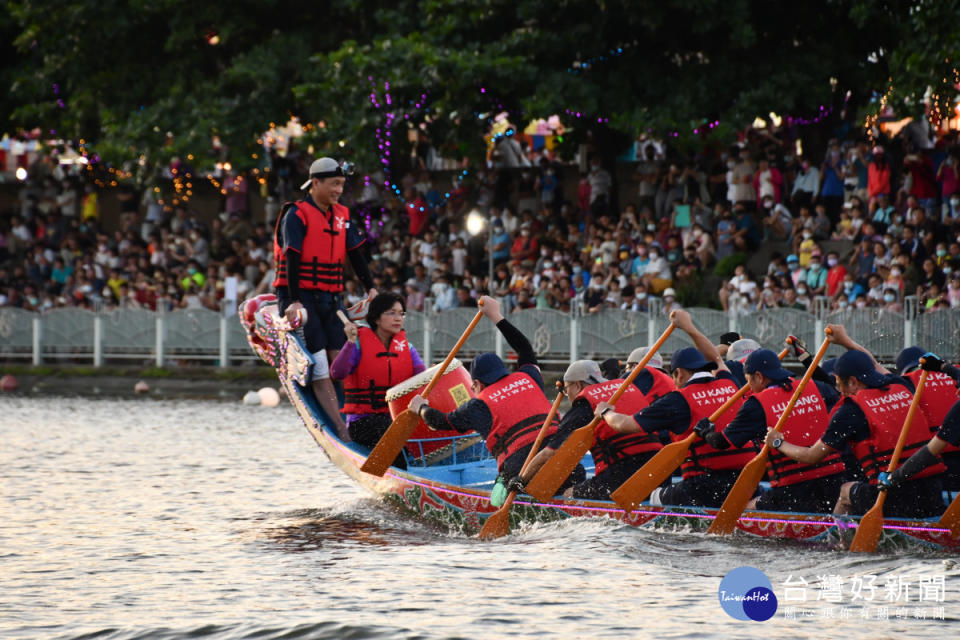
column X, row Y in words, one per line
column 766, row 362
column 690, row 358
column 857, row 364
column 909, row 359
column 829, row 366
column 487, row 368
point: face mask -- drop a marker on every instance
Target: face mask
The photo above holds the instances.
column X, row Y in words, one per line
column 801, row 292
column 832, row 262
column 947, row 271
column 848, row 286
column 941, row 252
column 807, row 235
column 889, row 297
column 641, row 296
column 895, row 272
column 814, row 265
column 731, row 164
column 577, row 270
column 544, row 253
column 954, row 202
column 654, row 255
column 861, row 304
column 842, row 304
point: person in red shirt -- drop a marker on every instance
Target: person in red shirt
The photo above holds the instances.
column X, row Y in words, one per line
column 525, row 247
column 837, row 272
column 878, row 174
column 416, row 211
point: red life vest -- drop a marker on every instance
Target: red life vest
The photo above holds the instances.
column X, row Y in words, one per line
column 519, row 409
column 939, row 394
column 611, row 446
column 703, row 399
column 662, row 385
column 805, row 425
column 365, row 390
column 886, row 412
column 324, row 247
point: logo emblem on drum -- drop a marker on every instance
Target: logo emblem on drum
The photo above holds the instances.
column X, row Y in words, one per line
column 459, row 394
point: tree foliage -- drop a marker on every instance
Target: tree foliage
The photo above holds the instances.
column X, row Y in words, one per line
column 123, row 74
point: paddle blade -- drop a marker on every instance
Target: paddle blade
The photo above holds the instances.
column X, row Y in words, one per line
column 561, row 464
column 870, row 528
column 648, row 477
column 951, row 517
column 740, row 494
column 498, row 524
column 391, row 443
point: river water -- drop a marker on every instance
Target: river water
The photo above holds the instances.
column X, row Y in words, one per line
column 189, row 518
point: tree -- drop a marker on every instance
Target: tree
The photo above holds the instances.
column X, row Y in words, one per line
column 123, row 74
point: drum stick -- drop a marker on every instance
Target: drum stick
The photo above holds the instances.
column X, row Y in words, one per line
column 343, row 317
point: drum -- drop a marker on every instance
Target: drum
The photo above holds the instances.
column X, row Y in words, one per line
column 451, row 391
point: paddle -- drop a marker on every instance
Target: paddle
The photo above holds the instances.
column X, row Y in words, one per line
column 951, row 517
column 871, row 524
column 564, row 460
column 658, row 468
column 390, row 444
column 498, row 524
column 749, row 478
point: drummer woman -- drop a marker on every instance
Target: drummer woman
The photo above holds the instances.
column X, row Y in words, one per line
column 374, row 359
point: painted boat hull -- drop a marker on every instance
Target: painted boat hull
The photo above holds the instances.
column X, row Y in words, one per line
column 465, row 508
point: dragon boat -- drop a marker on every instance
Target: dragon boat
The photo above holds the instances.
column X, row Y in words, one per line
column 449, row 478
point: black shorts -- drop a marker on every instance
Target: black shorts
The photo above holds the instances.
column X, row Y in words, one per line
column 921, row 498
column 811, row 496
column 705, row 490
column 323, row 330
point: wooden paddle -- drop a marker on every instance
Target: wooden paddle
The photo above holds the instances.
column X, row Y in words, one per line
column 390, row 444
column 564, row 460
column 951, row 517
column 871, row 524
column 658, row 468
column 498, row 524
column 753, row 472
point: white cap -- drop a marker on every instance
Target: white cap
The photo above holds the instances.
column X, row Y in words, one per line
column 323, row 168
column 584, row 371
column 656, row 360
column 669, row 292
column 741, row 349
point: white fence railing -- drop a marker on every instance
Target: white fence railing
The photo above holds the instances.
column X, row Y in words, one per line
column 151, row 337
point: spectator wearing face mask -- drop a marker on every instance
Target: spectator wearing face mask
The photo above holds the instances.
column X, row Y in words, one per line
column 657, row 275
column 807, row 247
column 816, row 276
column 836, row 273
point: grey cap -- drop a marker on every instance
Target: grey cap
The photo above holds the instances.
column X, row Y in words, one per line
column 323, row 168
column 584, row 371
column 741, row 349
column 656, row 361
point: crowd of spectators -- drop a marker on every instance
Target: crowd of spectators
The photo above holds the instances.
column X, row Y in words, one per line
column 863, row 225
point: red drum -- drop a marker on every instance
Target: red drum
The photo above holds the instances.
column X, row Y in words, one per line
column 451, row 391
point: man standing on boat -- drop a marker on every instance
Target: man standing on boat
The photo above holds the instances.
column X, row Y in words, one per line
column 869, row 419
column 708, row 474
column 313, row 238
column 794, row 486
column 507, row 409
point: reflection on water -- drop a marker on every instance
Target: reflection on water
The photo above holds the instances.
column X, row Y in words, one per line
column 152, row 519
